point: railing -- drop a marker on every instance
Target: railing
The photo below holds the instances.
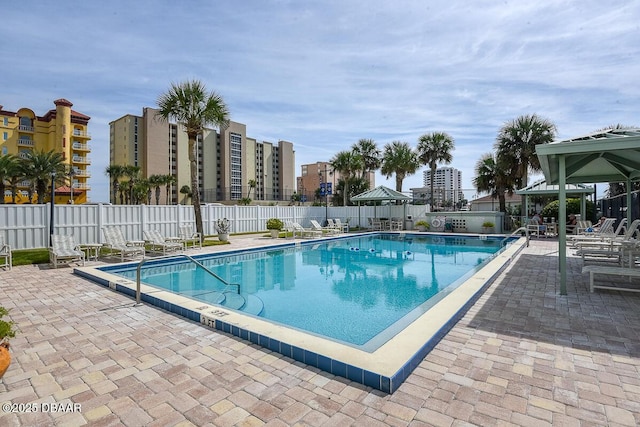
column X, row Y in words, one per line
column 83, row 160
column 80, row 133
column 24, row 141
column 25, row 128
column 519, row 230
column 199, row 264
column 81, row 147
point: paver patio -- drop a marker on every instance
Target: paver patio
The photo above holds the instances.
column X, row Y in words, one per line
column 523, row 355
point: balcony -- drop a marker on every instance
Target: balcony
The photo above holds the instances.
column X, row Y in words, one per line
column 24, row 142
column 81, row 160
column 81, row 186
column 80, row 147
column 25, row 128
column 81, row 134
column 24, row 155
column 81, row 173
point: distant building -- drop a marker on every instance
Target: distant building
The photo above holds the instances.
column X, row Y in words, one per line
column 227, row 160
column 447, row 187
column 314, row 174
column 490, row 204
column 62, row 130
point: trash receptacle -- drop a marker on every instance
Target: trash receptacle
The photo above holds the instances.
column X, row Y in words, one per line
column 408, row 224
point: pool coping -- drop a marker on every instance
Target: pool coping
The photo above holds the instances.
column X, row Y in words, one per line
column 383, row 369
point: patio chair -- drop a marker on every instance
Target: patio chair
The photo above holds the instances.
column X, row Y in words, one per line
column 605, row 230
column 157, row 243
column 344, row 228
column 315, row 225
column 305, row 232
column 5, row 253
column 116, row 243
column 64, row 250
column 188, row 236
column 331, row 224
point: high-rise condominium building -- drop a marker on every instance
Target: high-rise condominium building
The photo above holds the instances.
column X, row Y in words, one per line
column 61, row 130
column 447, row 187
column 231, row 166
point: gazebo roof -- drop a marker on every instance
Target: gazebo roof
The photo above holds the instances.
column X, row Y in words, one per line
column 542, row 188
column 610, row 155
column 378, row 194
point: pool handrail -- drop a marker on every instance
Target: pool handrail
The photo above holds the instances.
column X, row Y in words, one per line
column 519, row 230
column 196, row 262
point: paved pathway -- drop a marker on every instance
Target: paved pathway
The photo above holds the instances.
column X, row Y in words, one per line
column 522, row 356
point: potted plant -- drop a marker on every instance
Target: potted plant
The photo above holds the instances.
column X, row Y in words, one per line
column 487, row 227
column 222, row 228
column 422, row 225
column 6, row 332
column 275, row 226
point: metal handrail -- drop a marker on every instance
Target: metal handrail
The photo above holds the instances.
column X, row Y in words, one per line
column 198, row 263
column 526, row 232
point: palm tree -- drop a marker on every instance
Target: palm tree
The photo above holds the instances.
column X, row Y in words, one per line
column 252, row 184
column 516, row 145
column 490, row 177
column 186, row 190
column 133, row 173
column 370, row 154
column 41, row 167
column 155, row 181
column 194, row 108
column 347, row 163
column 115, row 172
column 168, row 181
column 398, row 158
column 9, row 166
column 434, row 148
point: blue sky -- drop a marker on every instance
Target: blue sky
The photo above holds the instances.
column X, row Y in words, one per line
column 324, row 74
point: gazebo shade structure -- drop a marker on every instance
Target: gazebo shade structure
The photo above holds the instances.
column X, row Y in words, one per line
column 541, row 188
column 609, row 155
column 379, row 194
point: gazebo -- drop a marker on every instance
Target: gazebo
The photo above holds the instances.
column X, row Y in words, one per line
column 609, row 155
column 379, row 194
column 541, row 188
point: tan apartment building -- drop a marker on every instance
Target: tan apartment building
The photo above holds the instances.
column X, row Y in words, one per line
column 62, row 130
column 227, row 160
column 312, row 175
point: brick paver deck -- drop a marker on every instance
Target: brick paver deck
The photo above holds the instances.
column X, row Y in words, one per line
column 523, row 355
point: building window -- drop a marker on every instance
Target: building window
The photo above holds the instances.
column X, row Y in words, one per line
column 6, row 121
column 5, row 136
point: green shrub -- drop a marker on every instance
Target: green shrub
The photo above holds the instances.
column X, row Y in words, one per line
column 573, row 207
column 275, row 224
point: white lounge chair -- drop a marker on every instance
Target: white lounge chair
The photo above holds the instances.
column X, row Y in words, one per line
column 315, row 225
column 305, row 232
column 157, row 243
column 604, row 231
column 5, row 253
column 116, row 243
column 64, row 250
column 188, row 236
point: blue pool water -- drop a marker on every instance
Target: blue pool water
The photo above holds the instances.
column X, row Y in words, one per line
column 360, row 290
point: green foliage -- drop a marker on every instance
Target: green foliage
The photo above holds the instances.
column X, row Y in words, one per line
column 573, row 207
column 246, row 201
column 422, row 223
column 488, row 224
column 275, row 224
column 6, row 327
column 222, row 226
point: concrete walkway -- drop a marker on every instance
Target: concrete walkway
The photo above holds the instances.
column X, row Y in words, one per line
column 523, row 355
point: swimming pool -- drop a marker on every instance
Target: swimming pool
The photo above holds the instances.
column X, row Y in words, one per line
column 327, row 303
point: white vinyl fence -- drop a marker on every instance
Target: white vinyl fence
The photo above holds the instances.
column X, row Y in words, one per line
column 28, row 226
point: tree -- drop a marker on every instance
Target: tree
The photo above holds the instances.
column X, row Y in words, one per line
column 434, row 148
column 168, row 181
column 398, row 158
column 155, row 181
column 133, row 173
column 9, row 167
column 516, row 145
column 252, row 184
column 370, row 155
column 41, row 166
column 347, row 164
column 491, row 178
column 192, row 107
column 186, row 190
column 115, row 172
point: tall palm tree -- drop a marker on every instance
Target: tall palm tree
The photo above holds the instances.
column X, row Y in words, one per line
column 434, row 148
column 347, row 163
column 133, row 173
column 492, row 178
column 252, row 184
column 9, row 166
column 516, row 145
column 370, row 154
column 193, row 107
column 168, row 181
column 41, row 166
column 155, row 181
column 115, row 172
column 398, row 158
